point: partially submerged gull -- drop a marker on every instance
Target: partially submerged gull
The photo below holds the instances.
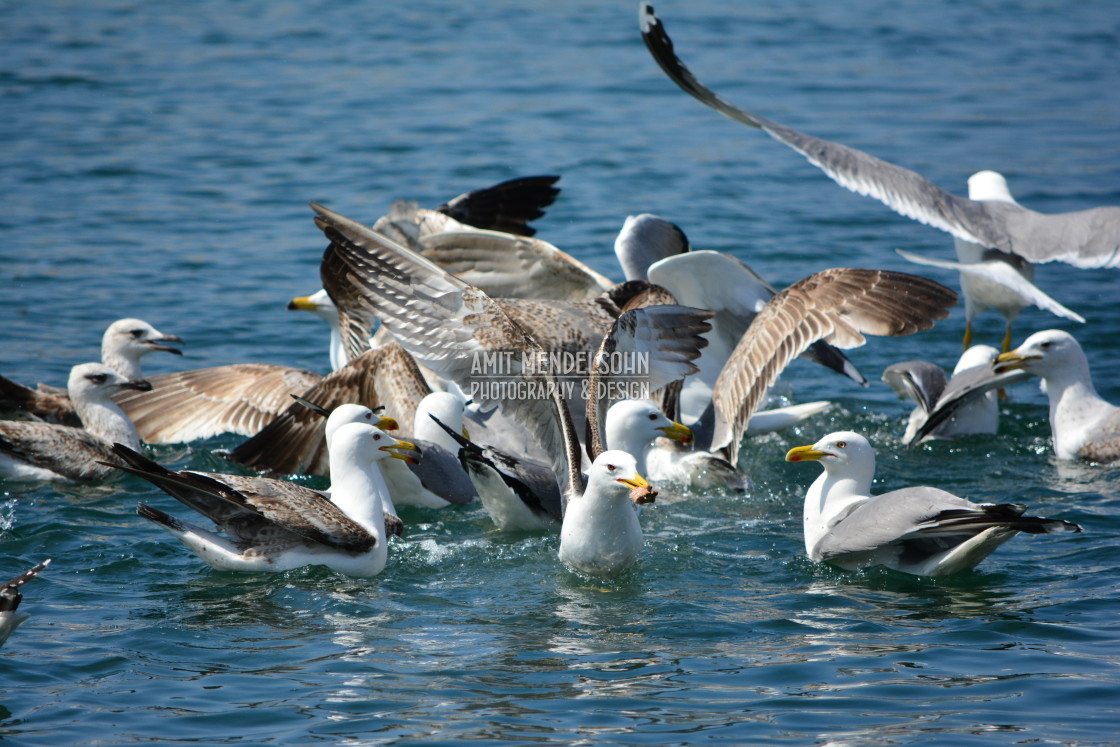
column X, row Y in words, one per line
column 48, row 451
column 920, row 530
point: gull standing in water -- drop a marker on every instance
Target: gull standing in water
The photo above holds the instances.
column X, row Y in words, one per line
column 920, row 530
column 989, row 218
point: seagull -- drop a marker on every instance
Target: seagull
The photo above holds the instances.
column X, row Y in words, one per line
column 277, row 529
column 989, row 218
column 991, row 278
column 10, row 598
column 1082, row 424
column 925, row 383
column 601, row 535
column 123, row 344
column 919, row 530
column 47, row 451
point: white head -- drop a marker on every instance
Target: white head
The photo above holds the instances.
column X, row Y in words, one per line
column 614, row 475
column 844, row 454
column 989, row 185
column 318, row 303
column 97, row 383
column 977, row 355
column 632, row 424
column 350, row 413
column 126, row 340
column 449, row 408
column 360, row 444
column 1051, row 354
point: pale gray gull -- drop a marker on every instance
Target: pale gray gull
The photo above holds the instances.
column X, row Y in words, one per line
column 1088, row 238
column 920, row 530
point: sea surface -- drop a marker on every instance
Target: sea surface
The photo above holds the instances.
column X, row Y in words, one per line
column 156, row 160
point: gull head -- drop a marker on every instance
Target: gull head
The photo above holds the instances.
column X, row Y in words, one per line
column 615, row 474
column 837, row 452
column 96, row 382
column 1042, row 354
column 132, row 338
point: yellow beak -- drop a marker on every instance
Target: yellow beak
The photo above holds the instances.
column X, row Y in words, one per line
column 637, row 481
column 679, row 432
column 406, row 446
column 387, row 424
column 805, row 454
column 1012, row 360
column 302, row 303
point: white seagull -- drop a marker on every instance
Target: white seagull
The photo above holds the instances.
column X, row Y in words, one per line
column 920, row 530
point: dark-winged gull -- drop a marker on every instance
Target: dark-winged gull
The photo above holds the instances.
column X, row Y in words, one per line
column 920, row 530
column 1082, row 424
column 48, row 451
column 278, row 529
column 123, row 344
column 1087, row 238
column 10, row 597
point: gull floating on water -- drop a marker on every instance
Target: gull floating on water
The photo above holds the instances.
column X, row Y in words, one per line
column 925, row 383
column 1082, row 424
column 48, row 451
column 123, row 344
column 991, row 219
column 920, row 530
column 10, row 597
column 277, row 528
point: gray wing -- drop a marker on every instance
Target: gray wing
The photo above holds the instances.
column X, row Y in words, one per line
column 191, row 405
column 919, row 381
column 440, row 472
column 1089, row 238
column 963, row 389
column 839, row 305
column 294, row 442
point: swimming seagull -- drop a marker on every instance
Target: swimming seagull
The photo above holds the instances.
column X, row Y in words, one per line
column 925, row 383
column 1082, row 424
column 280, row 528
column 47, row 451
column 920, row 530
column 991, row 219
column 123, row 344
column 10, row 598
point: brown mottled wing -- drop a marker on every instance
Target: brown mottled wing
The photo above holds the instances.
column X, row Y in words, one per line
column 294, row 443
column 71, row 452
column 355, row 320
column 189, row 405
column 46, row 403
column 838, row 305
column 453, row 328
column 508, row 266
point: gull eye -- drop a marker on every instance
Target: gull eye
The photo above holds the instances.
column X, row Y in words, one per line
column 653, row 416
column 97, row 378
column 1045, row 345
column 611, row 468
column 137, row 334
column 376, row 436
column 368, row 416
column 841, row 444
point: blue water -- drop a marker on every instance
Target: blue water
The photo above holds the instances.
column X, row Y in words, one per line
column 157, row 161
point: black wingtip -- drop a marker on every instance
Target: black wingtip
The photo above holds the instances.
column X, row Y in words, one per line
column 316, row 408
